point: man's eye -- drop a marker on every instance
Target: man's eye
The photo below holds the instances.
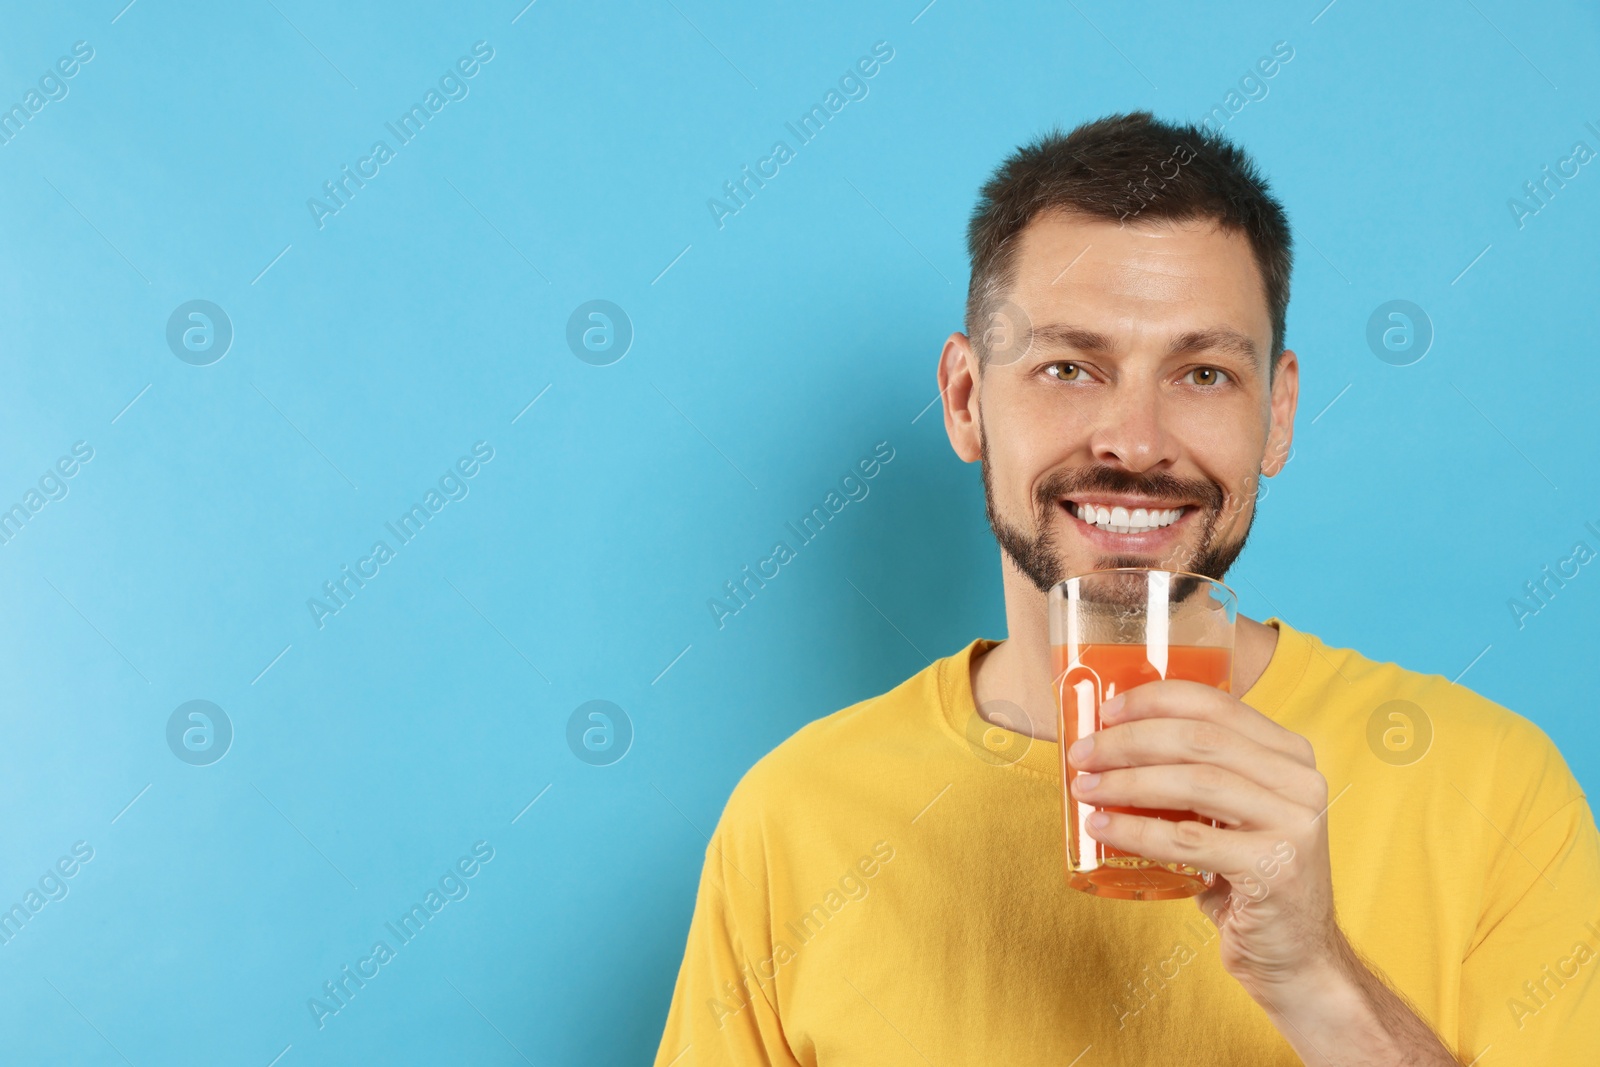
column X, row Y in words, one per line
column 1206, row 376
column 1064, row 372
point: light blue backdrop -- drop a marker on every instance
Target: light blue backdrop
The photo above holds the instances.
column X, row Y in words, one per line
column 374, row 346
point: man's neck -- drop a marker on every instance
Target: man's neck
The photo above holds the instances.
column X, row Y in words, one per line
column 1017, row 670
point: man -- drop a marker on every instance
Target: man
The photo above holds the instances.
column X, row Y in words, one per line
column 1407, row 872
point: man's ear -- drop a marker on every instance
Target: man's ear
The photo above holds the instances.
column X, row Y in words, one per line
column 958, row 388
column 1285, row 398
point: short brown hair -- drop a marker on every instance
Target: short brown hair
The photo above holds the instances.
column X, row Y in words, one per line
column 1106, row 169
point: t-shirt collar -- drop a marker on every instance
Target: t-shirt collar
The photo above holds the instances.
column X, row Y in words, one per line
column 1005, row 748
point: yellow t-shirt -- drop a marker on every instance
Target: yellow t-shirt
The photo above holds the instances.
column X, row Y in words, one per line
column 886, row 887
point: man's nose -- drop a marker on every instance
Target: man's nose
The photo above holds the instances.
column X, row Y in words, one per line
column 1131, row 430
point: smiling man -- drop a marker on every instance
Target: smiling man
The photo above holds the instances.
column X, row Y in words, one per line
column 1407, row 872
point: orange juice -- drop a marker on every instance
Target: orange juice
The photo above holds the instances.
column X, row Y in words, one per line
column 1100, row 672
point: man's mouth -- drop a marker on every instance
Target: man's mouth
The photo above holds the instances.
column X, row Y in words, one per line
column 1127, row 517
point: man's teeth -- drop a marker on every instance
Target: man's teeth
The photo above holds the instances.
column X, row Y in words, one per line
column 1121, row 520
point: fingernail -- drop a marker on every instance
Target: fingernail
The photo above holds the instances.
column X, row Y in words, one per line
column 1111, row 708
column 1098, row 820
column 1085, row 782
column 1080, row 750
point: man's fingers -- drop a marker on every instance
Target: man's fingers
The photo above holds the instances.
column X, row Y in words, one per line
column 1164, row 742
column 1202, row 788
column 1175, row 699
column 1235, row 855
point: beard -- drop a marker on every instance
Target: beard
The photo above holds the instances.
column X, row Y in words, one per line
column 1036, row 554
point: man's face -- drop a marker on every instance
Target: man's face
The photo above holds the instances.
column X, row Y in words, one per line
column 1126, row 416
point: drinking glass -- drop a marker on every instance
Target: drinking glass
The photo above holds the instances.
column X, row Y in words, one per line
column 1111, row 630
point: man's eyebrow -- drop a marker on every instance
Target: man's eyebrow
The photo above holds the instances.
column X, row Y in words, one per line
column 1082, row 339
column 1217, row 337
column 1065, row 335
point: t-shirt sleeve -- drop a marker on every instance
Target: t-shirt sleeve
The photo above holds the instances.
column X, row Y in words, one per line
column 1529, row 992
column 722, row 1011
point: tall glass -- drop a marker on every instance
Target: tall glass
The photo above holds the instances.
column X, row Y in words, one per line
column 1111, row 630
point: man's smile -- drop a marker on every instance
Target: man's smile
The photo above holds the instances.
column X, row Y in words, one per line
column 1122, row 523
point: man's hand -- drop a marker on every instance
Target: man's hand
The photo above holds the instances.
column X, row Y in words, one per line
column 1191, row 747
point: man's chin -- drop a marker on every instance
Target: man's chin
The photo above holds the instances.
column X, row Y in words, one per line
column 1213, row 562
column 1141, row 562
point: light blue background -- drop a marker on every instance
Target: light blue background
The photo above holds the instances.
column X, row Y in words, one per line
column 773, row 353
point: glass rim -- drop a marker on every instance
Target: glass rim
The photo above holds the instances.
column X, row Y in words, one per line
column 1146, row 570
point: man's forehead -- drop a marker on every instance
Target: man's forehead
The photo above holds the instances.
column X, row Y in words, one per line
column 1067, row 262
column 1055, row 233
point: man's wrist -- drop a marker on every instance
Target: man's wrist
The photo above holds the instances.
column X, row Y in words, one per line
column 1329, row 973
column 1326, row 988
column 1338, row 1013
column 1323, row 1012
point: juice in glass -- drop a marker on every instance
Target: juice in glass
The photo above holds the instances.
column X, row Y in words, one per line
column 1112, row 631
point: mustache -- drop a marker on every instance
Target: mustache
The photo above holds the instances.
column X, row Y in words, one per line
column 1158, row 485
